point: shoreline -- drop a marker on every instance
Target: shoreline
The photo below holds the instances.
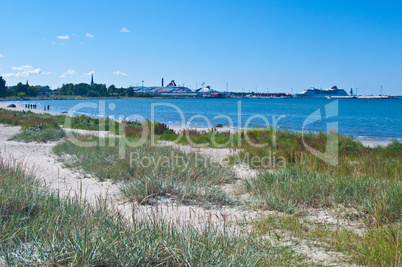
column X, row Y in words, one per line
column 37, row 98
column 177, row 128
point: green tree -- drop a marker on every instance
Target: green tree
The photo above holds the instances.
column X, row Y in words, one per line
column 130, row 92
column 111, row 89
column 93, row 93
column 20, row 88
column 66, row 89
column 2, row 87
column 32, row 91
column 81, row 89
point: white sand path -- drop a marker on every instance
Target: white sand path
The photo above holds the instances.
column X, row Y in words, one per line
column 38, row 157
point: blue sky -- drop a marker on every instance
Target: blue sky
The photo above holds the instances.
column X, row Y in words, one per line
column 252, row 45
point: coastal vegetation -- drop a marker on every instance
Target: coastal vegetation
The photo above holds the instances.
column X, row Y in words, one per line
column 366, row 184
column 294, row 189
column 379, row 246
column 366, row 180
column 3, row 88
column 34, row 127
column 68, row 90
column 150, row 172
column 353, row 157
column 42, row 228
column 42, row 127
column 98, row 90
column 40, row 136
column 19, row 90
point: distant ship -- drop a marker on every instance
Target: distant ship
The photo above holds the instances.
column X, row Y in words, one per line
column 207, row 92
column 176, row 91
column 334, row 91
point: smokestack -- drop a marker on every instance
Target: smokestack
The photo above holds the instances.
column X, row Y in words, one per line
column 162, row 82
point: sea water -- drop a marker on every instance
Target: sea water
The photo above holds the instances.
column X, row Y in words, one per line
column 373, row 119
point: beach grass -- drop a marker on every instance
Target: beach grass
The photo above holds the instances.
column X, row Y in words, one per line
column 286, row 146
column 365, row 179
column 294, row 189
column 282, row 147
column 42, row 136
column 203, row 138
column 34, row 127
column 28, row 119
column 86, row 123
column 353, row 157
column 42, row 228
column 378, row 246
column 148, row 171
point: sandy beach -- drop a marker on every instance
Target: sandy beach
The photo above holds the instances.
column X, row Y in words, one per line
column 39, row 159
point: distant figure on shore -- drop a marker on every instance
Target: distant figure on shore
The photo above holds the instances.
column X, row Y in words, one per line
column 48, row 107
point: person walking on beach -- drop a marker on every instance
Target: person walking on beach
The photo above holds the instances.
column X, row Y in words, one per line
column 48, row 107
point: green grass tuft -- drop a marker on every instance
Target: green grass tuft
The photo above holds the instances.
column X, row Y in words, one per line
column 293, row 189
column 378, row 246
column 151, row 171
column 42, row 136
column 42, row 229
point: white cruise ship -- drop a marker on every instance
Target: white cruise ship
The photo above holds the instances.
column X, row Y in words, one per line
column 334, row 91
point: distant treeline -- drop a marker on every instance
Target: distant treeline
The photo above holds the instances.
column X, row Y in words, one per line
column 98, row 90
column 69, row 89
column 20, row 90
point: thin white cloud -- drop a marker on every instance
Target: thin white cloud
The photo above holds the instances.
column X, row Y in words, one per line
column 24, row 71
column 53, row 42
column 125, row 30
column 63, row 37
column 23, row 68
column 90, row 35
column 89, row 73
column 1, row 55
column 119, row 73
column 70, row 72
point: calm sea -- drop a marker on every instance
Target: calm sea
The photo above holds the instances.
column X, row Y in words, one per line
column 375, row 119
